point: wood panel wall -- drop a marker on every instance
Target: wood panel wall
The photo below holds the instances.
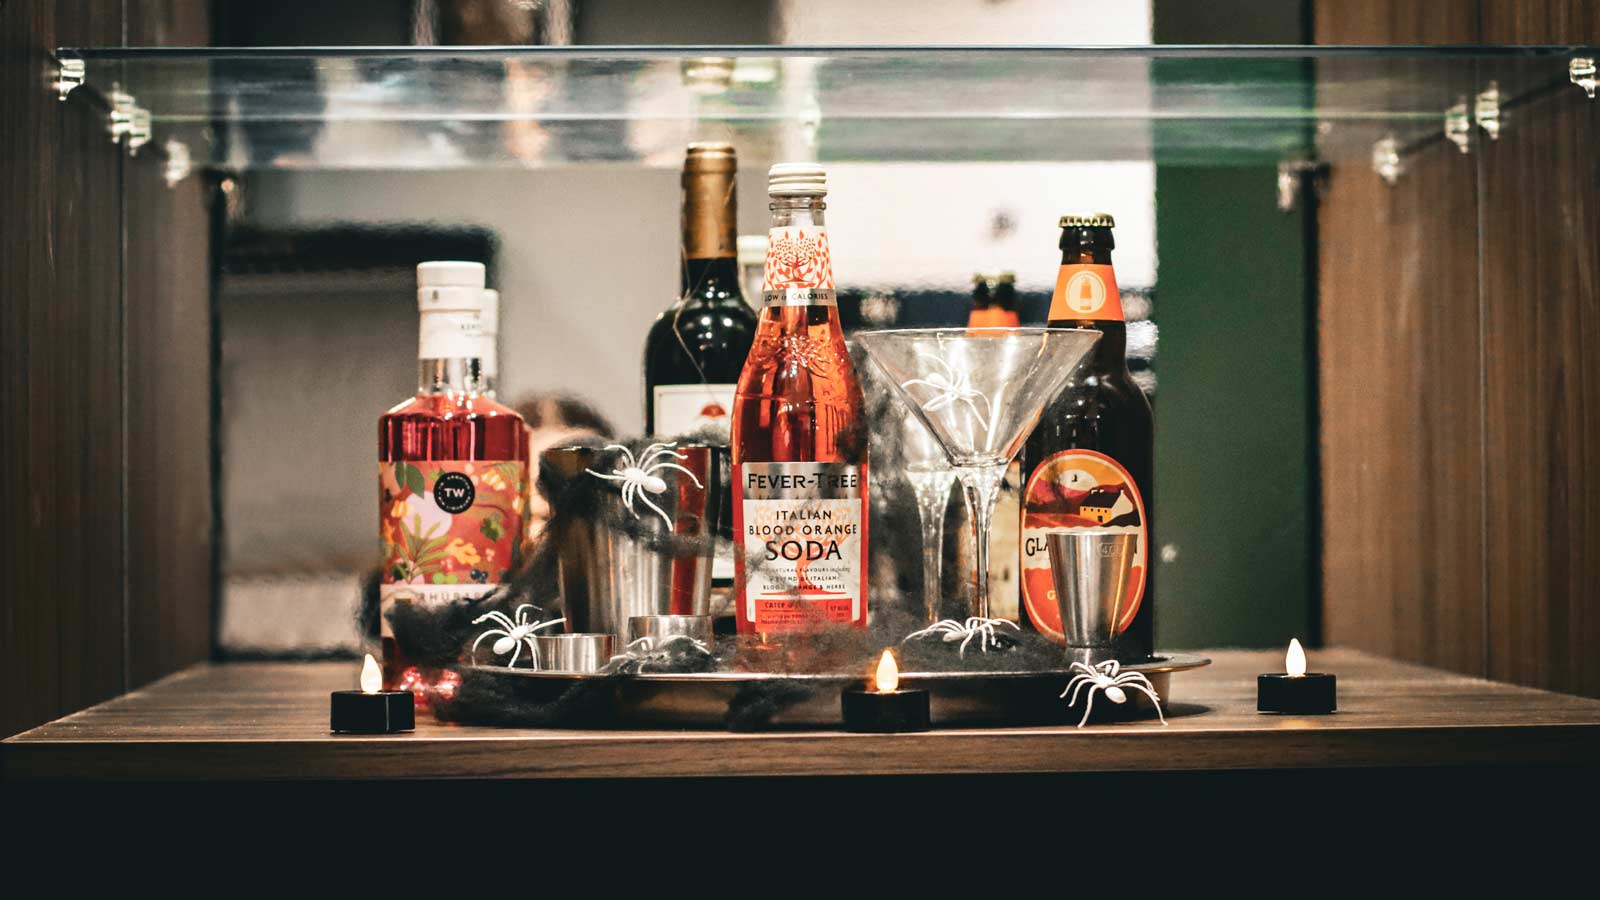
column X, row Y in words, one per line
column 1461, row 476
column 169, row 353
column 69, row 433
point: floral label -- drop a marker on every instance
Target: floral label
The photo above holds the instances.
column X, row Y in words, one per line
column 799, row 268
column 450, row 530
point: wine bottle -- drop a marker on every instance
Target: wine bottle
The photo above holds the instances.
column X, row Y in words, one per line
column 697, row 346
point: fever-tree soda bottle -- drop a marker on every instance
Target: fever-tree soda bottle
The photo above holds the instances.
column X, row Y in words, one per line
column 1089, row 464
column 799, row 436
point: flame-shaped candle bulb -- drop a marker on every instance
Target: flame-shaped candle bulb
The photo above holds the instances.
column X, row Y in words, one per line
column 1294, row 662
column 372, row 710
column 372, row 676
column 888, row 674
column 883, row 705
column 1295, row 690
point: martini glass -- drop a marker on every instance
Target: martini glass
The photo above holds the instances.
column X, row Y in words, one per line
column 980, row 391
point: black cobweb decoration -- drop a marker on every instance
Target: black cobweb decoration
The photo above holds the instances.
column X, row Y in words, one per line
column 438, row 636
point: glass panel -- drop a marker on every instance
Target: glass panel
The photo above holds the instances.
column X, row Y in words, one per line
column 455, row 107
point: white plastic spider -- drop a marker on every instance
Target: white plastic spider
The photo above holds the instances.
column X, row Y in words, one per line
column 513, row 634
column 1103, row 677
column 638, row 477
column 954, row 386
column 952, row 630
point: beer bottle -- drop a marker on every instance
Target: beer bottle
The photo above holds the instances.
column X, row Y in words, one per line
column 982, row 303
column 987, row 309
column 1088, row 464
column 1005, row 298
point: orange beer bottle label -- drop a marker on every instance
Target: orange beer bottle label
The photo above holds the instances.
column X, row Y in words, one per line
column 1085, row 291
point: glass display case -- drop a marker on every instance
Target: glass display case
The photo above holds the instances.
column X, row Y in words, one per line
column 1359, row 284
column 458, row 107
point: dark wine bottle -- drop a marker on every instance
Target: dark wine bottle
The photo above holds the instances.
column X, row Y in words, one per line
column 698, row 346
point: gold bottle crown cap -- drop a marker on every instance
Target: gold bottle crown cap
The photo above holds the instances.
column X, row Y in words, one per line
column 1090, row 220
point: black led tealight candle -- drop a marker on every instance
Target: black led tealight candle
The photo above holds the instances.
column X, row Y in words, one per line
column 884, row 707
column 372, row 710
column 1296, row 691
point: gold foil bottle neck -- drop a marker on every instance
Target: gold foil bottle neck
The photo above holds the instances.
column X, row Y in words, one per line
column 710, row 202
column 710, row 156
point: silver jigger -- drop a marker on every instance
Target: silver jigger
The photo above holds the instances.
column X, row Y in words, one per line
column 660, row 628
column 577, row 652
column 1091, row 574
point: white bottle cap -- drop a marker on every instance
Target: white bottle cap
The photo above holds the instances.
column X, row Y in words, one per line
column 489, row 314
column 451, row 298
column 451, row 273
column 450, row 286
column 797, row 179
column 489, row 325
column 752, row 249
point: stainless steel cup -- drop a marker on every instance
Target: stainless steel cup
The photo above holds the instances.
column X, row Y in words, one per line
column 1091, row 573
column 660, row 628
column 574, row 652
column 645, row 547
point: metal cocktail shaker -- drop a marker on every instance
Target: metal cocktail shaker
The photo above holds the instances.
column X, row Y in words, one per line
column 642, row 543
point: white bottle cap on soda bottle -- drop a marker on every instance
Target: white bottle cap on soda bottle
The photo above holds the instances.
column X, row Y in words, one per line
column 797, row 179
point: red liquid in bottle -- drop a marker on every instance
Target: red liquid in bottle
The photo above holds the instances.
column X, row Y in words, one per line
column 799, row 446
column 456, row 428
column 452, row 472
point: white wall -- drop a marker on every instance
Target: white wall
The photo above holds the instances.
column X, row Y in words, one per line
column 587, row 258
column 965, row 22
column 934, row 224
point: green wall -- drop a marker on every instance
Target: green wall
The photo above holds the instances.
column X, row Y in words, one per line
column 1236, row 431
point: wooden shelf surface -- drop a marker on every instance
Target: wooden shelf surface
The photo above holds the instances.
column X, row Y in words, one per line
column 269, row 721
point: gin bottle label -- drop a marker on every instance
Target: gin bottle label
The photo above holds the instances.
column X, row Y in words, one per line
column 450, row 530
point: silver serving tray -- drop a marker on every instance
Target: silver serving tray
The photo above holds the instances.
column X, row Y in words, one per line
column 760, row 700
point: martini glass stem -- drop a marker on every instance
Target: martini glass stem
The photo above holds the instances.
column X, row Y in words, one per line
column 981, row 485
column 933, row 560
column 933, row 495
